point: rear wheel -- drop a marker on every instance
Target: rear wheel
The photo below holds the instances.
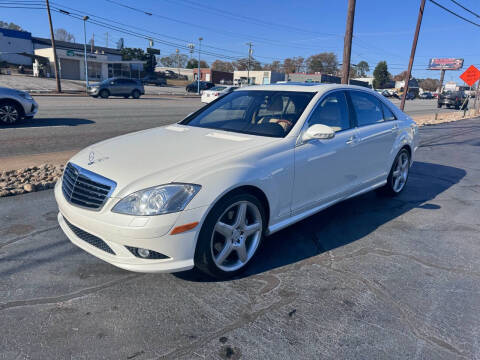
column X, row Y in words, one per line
column 448, row 106
column 398, row 176
column 10, row 113
column 104, row 94
column 135, row 94
column 439, row 106
column 126, row 96
column 230, row 236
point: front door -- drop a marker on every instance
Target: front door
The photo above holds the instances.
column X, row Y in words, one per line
column 323, row 168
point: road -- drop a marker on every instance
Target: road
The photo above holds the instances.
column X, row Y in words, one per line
column 370, row 278
column 72, row 123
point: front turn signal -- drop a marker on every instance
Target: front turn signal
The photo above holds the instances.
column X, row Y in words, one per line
column 182, row 228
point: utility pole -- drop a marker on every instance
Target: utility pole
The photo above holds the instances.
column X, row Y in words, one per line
column 249, row 60
column 347, row 45
column 106, row 42
column 178, row 61
column 92, row 44
column 412, row 54
column 198, row 74
column 85, row 18
column 55, row 59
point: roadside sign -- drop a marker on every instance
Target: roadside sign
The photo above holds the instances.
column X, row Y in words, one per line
column 153, row 51
column 471, row 75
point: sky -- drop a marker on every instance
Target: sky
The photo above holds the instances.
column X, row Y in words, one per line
column 383, row 29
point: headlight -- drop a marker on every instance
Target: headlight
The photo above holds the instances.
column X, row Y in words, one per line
column 157, row 200
column 25, row 95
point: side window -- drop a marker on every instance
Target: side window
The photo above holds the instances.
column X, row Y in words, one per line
column 367, row 108
column 332, row 111
column 387, row 113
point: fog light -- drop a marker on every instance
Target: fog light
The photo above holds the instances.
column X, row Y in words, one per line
column 144, row 253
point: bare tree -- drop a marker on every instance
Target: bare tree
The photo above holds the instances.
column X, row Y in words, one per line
column 362, row 68
column 174, row 60
column 64, row 35
column 220, row 65
column 11, row 26
column 274, row 66
column 242, row 64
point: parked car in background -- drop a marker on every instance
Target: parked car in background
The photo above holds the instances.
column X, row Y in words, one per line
column 204, row 85
column 16, row 105
column 456, row 99
column 426, row 95
column 216, row 92
column 410, row 96
column 205, row 192
column 388, row 94
column 154, row 79
column 117, row 87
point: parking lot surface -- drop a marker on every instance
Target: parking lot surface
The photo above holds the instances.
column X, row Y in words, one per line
column 370, row 278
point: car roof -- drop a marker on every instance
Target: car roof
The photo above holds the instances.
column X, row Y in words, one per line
column 302, row 87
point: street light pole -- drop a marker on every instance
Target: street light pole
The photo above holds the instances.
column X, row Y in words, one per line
column 178, row 62
column 198, row 74
column 54, row 48
column 85, row 18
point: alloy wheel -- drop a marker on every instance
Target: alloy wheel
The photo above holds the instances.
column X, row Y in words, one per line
column 236, row 236
column 400, row 172
column 8, row 114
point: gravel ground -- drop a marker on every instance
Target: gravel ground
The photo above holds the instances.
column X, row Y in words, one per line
column 36, row 178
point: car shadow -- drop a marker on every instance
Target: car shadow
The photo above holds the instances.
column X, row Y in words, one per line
column 347, row 221
column 45, row 122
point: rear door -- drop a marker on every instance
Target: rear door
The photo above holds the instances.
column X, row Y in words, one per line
column 377, row 129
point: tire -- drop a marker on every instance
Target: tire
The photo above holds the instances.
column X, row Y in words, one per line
column 135, row 94
column 401, row 164
column 457, row 107
column 104, row 94
column 225, row 245
column 439, row 106
column 448, row 106
column 10, row 113
column 126, row 96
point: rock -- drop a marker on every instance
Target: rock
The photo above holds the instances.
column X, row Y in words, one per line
column 29, row 187
column 4, row 193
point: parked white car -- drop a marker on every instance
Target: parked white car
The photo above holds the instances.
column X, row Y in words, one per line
column 214, row 93
column 205, row 192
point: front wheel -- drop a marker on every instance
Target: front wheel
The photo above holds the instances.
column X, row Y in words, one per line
column 439, row 106
column 104, row 94
column 9, row 113
column 135, row 94
column 230, row 236
column 398, row 176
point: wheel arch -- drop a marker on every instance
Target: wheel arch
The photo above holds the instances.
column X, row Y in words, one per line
column 252, row 190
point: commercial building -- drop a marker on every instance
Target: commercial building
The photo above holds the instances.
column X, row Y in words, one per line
column 215, row 76
column 102, row 62
column 13, row 44
column 322, row 78
column 257, row 77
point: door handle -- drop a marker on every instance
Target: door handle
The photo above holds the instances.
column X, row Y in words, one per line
column 395, row 127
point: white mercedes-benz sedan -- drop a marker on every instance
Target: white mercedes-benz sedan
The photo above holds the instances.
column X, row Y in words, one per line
column 205, row 192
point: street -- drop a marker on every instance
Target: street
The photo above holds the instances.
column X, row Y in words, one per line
column 369, row 278
column 71, row 123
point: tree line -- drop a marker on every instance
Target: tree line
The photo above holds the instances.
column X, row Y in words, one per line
column 382, row 77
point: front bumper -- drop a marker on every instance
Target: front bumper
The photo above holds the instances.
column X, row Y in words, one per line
column 30, row 108
column 119, row 231
column 93, row 91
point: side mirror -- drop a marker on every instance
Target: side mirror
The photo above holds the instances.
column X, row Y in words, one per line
column 318, row 131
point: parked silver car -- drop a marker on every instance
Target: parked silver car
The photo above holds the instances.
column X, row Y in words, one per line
column 117, row 87
column 16, row 105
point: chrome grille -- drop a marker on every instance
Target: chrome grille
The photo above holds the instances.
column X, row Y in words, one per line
column 84, row 188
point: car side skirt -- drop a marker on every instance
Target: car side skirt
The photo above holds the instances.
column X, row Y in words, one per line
column 292, row 220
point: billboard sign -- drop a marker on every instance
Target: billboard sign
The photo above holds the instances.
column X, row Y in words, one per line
column 445, row 64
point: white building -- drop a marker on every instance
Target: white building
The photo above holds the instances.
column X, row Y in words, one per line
column 103, row 62
column 257, row 77
column 12, row 44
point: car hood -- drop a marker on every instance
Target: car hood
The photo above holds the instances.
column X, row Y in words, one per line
column 162, row 155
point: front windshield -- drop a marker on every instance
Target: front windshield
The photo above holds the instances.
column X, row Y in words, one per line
column 265, row 113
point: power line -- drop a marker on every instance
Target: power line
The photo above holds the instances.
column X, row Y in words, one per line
column 454, row 13
column 464, row 8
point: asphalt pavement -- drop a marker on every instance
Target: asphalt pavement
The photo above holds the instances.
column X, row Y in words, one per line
column 370, row 278
column 70, row 123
